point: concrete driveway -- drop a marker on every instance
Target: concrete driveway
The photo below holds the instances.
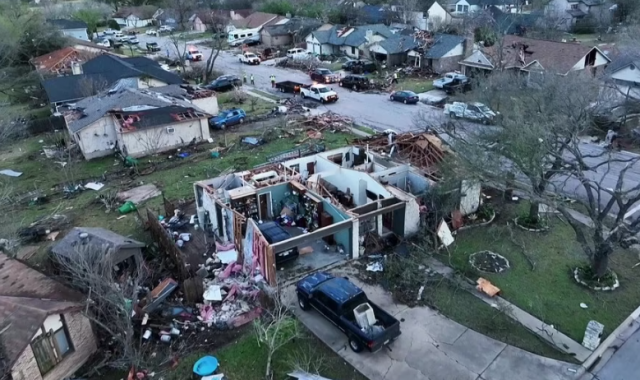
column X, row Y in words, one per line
column 433, row 347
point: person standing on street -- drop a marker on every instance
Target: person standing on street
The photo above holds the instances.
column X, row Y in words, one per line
column 273, row 81
column 252, row 81
column 395, row 78
column 244, row 78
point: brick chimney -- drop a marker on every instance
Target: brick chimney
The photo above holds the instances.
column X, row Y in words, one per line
column 469, row 45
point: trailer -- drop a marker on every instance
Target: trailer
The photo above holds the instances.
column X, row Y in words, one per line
column 289, row 86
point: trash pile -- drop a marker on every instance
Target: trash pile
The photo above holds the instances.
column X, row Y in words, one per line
column 44, row 229
column 306, row 64
column 298, row 105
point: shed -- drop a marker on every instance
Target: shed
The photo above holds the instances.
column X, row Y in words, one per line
column 120, row 247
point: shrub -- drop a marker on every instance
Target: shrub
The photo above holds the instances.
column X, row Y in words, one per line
column 113, row 24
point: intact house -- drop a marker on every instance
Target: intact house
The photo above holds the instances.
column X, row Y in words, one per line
column 443, row 53
column 331, row 206
column 140, row 122
column 256, row 20
column 464, row 7
column 204, row 19
column 137, row 17
column 44, row 336
column 566, row 13
column 105, row 71
column 438, row 17
column 71, row 28
column 534, row 56
column 290, row 33
column 624, row 73
column 121, row 250
column 351, row 41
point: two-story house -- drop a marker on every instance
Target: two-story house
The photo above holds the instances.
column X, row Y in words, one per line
column 566, row 13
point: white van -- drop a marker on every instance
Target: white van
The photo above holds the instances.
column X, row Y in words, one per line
column 297, row 53
column 118, row 36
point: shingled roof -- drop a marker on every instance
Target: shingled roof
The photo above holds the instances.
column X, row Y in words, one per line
column 338, row 35
column 27, row 298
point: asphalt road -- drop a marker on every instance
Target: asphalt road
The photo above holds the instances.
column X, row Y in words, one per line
column 378, row 112
column 624, row 364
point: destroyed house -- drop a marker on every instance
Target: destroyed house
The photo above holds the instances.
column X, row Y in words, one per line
column 139, row 122
column 331, row 207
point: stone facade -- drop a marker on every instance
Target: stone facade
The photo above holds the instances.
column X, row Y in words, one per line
column 84, row 345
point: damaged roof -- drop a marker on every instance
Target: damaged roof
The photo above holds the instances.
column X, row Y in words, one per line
column 94, row 108
column 297, row 25
column 338, row 35
column 398, row 44
column 149, row 118
column 102, row 72
column 49, row 61
column 442, row 44
column 27, row 297
column 95, row 236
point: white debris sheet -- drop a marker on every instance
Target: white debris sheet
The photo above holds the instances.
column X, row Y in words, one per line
column 227, row 257
column 94, row 185
column 10, row 173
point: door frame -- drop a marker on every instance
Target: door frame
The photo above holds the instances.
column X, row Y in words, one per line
column 269, row 206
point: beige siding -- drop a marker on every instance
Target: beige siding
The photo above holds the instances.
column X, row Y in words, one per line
column 84, row 345
column 96, row 139
column 155, row 140
column 150, row 82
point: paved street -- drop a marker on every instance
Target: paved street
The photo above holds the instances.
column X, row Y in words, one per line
column 624, row 365
column 376, row 111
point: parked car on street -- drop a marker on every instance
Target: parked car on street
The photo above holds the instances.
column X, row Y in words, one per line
column 406, row 97
column 224, row 83
column 151, row 32
column 472, row 111
column 153, row 47
column 289, row 86
column 457, row 85
column 193, row 54
column 345, row 305
column 165, row 29
column 297, row 53
column 131, row 40
column 447, row 78
column 102, row 42
column 319, row 92
column 228, row 118
column 109, row 32
column 357, row 66
column 321, row 75
column 355, row 82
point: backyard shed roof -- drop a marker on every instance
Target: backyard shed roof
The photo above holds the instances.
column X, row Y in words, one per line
column 98, row 237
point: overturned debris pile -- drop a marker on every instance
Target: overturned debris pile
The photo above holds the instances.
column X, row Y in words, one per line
column 329, row 120
column 422, row 150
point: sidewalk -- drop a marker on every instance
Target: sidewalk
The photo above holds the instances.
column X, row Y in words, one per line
column 433, row 347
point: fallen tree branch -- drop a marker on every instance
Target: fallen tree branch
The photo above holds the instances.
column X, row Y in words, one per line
column 522, row 247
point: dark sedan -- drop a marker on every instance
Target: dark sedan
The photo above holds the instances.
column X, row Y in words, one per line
column 406, row 97
column 359, row 66
column 224, row 83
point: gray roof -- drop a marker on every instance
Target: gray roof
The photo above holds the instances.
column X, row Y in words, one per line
column 297, row 25
column 443, row 43
column 399, row 44
column 621, row 61
column 98, row 237
column 95, row 107
column 66, row 24
column 340, row 35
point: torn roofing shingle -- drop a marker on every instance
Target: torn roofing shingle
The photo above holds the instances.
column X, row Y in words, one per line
column 154, row 117
column 350, row 36
column 399, row 44
column 442, row 44
column 95, row 107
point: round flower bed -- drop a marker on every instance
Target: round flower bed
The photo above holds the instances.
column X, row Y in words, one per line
column 522, row 222
column 483, row 217
column 489, row 262
column 585, row 277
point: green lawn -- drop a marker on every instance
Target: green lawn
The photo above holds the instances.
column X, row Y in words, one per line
column 466, row 309
column 549, row 291
column 416, row 85
column 191, row 36
column 362, row 128
column 258, row 107
column 245, row 360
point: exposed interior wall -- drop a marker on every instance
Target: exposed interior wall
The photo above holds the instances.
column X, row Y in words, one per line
column 342, row 237
column 209, row 105
column 411, row 213
column 278, row 193
column 98, row 139
column 345, row 179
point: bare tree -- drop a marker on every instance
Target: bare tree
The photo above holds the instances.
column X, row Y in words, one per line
column 275, row 329
column 182, row 11
column 109, row 299
column 216, row 23
column 536, row 147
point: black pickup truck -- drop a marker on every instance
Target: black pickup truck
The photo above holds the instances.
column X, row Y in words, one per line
column 336, row 298
column 289, row 86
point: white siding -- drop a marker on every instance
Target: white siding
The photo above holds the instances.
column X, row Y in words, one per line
column 600, row 60
column 627, row 74
column 155, row 140
column 97, row 139
column 209, row 105
column 455, row 52
column 438, row 16
column 80, row 34
column 150, row 82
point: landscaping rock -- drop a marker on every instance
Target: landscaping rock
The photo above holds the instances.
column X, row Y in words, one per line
column 489, row 262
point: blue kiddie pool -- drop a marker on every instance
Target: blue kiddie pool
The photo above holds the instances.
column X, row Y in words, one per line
column 205, row 366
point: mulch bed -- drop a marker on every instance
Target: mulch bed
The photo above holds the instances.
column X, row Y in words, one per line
column 489, row 262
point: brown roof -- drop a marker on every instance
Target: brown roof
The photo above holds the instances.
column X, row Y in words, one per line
column 48, row 62
column 143, row 12
column 254, row 20
column 207, row 16
column 551, row 55
column 27, row 297
column 243, row 12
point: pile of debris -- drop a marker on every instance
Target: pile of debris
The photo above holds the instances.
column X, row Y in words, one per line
column 304, row 64
column 298, row 105
column 422, row 150
column 328, row 121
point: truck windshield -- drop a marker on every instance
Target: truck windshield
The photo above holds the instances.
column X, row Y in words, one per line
column 324, row 72
column 194, row 52
column 323, row 90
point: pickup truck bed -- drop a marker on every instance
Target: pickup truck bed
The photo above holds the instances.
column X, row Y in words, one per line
column 289, row 86
column 336, row 299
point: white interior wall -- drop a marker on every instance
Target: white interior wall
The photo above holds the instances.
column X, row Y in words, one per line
column 411, row 210
column 348, row 178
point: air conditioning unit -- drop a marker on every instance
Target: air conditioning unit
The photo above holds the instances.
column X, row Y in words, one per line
column 170, row 129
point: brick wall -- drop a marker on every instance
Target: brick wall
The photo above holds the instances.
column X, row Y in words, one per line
column 84, row 344
column 444, row 65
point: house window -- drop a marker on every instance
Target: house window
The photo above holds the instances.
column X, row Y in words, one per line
column 574, row 6
column 51, row 343
column 463, row 8
column 353, row 50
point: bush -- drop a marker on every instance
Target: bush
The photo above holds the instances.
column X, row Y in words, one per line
column 113, row 24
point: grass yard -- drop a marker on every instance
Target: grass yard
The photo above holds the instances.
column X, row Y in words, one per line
column 364, row 129
column 416, row 85
column 548, row 291
column 245, row 360
column 258, row 107
column 191, row 36
column 466, row 309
